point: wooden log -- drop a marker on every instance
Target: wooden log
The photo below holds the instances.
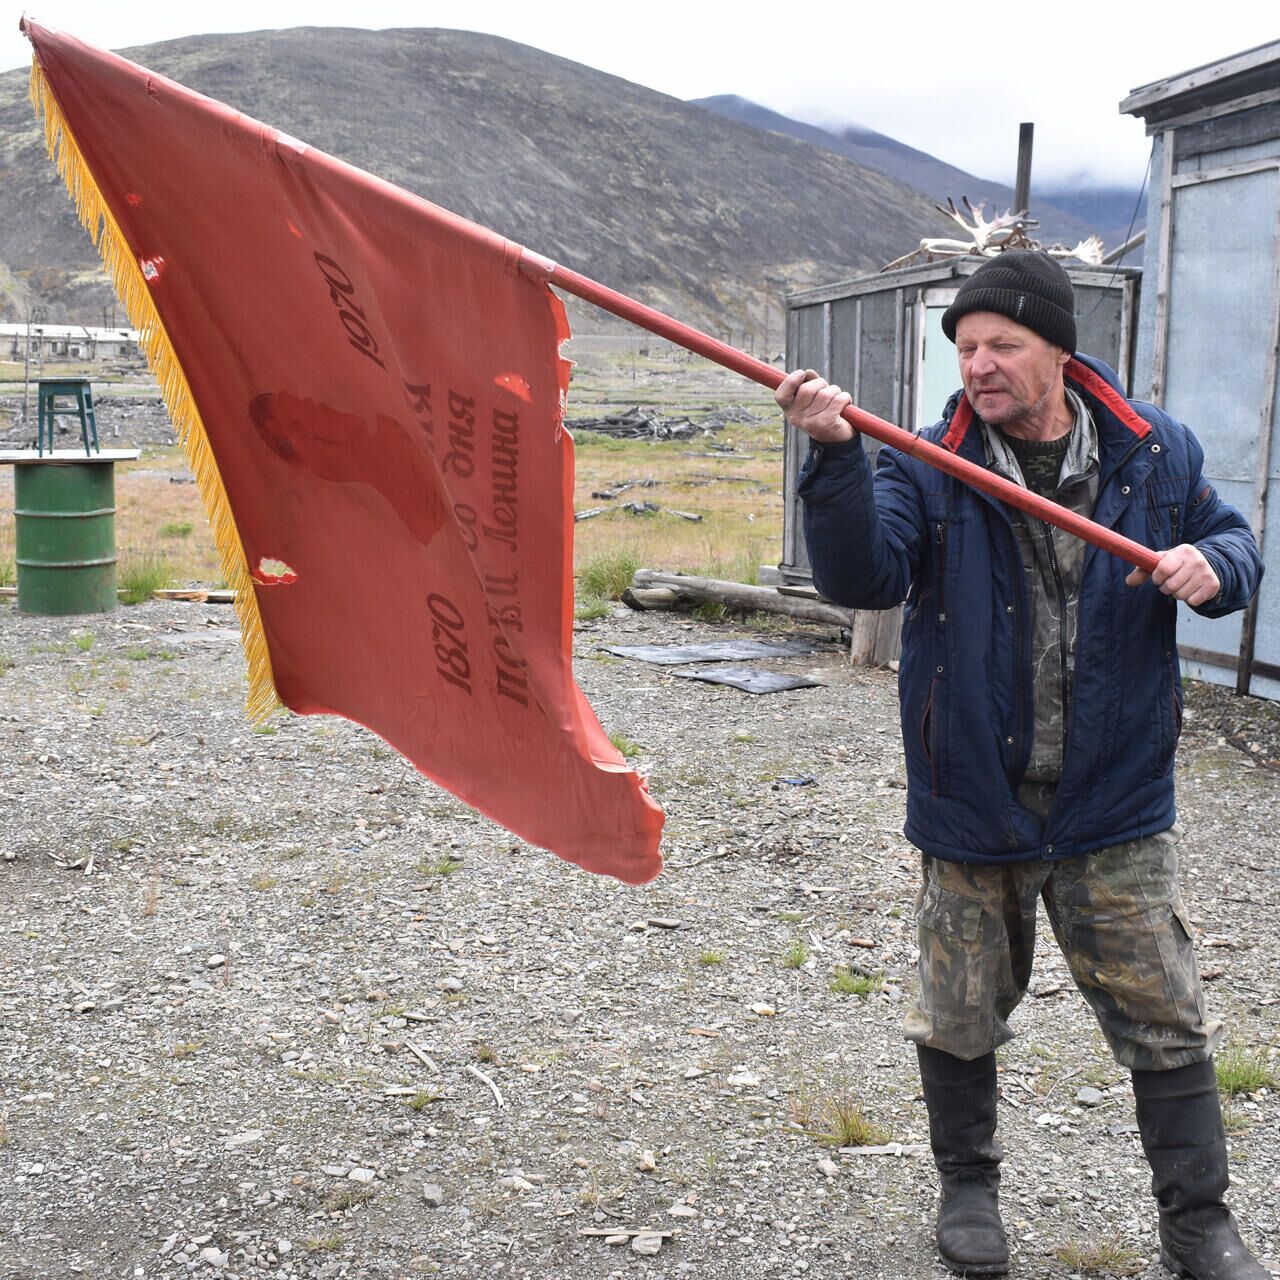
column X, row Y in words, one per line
column 200, row 595
column 738, row 595
column 655, row 598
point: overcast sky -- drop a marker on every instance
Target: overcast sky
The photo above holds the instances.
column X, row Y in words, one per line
column 953, row 80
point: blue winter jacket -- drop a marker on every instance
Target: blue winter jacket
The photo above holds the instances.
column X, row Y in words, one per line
column 965, row 678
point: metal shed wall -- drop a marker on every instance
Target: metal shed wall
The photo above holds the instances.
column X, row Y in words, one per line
column 1210, row 327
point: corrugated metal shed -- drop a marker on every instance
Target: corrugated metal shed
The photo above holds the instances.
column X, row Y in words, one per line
column 1209, row 327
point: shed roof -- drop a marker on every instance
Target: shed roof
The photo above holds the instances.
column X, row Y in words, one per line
column 942, row 271
column 1253, row 74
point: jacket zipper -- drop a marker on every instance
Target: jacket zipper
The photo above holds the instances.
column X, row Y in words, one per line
column 940, row 540
column 1174, row 526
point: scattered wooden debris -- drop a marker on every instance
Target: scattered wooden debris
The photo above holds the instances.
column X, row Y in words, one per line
column 889, row 1149
column 83, row 863
column 730, row 414
column 636, row 424
column 480, row 1075
column 622, row 486
column 424, row 1058
column 197, row 595
column 700, row 478
column 601, row 1232
column 637, row 509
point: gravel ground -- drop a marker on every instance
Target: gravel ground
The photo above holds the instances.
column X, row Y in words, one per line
column 271, row 1003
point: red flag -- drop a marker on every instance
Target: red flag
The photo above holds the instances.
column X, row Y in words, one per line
column 369, row 392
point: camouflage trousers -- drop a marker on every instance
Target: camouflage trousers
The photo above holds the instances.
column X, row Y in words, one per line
column 1120, row 922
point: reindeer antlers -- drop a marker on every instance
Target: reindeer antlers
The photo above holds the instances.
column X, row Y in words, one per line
column 999, row 232
column 990, row 236
column 1089, row 251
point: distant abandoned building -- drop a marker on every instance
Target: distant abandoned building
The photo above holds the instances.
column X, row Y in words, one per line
column 54, row 342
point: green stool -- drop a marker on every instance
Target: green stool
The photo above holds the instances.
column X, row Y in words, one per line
column 75, row 388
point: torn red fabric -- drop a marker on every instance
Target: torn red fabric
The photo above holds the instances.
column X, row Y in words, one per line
column 379, row 389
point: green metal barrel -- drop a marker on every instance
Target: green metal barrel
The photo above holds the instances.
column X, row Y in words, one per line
column 66, row 536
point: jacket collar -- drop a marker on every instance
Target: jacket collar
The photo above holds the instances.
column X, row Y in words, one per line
column 1080, row 461
column 1118, row 423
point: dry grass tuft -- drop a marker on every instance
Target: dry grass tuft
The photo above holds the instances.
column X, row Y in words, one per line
column 837, row 1120
column 1240, row 1071
column 626, row 746
column 848, row 983
column 141, row 574
column 1106, row 1257
column 606, row 575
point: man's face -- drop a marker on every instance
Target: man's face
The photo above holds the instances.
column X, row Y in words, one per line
column 1010, row 373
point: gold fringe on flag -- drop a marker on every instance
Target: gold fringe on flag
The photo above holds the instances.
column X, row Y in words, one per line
column 126, row 274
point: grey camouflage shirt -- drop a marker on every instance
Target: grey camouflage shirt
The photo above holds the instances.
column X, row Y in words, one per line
column 1052, row 562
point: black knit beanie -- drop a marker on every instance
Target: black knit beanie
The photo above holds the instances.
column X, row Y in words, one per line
column 1026, row 286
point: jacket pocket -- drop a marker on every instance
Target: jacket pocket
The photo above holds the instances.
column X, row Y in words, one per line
column 950, row 913
column 931, row 735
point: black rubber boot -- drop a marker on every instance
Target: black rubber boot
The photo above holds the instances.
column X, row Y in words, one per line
column 1180, row 1120
column 961, row 1100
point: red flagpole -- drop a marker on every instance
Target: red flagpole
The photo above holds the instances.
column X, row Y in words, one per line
column 703, row 344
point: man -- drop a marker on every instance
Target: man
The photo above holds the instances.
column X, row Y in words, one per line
column 1041, row 706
